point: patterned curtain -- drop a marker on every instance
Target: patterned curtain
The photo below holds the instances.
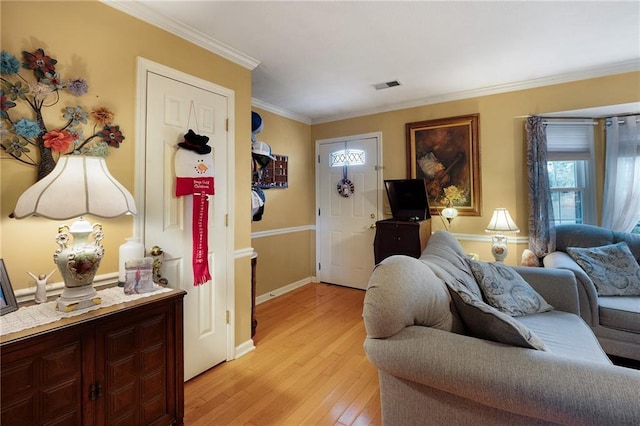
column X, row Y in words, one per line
column 542, row 236
column 621, row 205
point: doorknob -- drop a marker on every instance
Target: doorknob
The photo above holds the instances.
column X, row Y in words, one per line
column 372, row 226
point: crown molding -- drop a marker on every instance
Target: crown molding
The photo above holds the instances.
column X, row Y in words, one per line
column 603, row 71
column 142, row 12
column 280, row 111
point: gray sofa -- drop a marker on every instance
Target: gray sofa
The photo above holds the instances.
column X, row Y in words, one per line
column 615, row 319
column 432, row 372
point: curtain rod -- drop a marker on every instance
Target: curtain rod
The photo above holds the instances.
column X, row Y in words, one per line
column 573, row 123
column 608, row 121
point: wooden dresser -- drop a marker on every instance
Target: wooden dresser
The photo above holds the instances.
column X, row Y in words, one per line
column 400, row 237
column 119, row 365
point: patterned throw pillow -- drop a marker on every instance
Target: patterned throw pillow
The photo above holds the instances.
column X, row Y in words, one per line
column 612, row 268
column 486, row 322
column 504, row 289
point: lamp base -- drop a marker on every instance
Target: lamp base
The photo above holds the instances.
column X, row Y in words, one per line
column 74, row 298
column 78, row 263
column 499, row 247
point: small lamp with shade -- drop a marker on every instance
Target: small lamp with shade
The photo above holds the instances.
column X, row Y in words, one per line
column 500, row 223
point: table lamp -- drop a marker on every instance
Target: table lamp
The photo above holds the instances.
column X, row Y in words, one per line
column 78, row 185
column 500, row 222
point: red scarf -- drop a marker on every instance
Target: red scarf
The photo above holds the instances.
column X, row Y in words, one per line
column 201, row 188
column 200, row 230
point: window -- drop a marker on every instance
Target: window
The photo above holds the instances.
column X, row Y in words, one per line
column 571, row 171
column 347, row 157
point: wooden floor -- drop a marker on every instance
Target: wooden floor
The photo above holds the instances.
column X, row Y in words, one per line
column 308, row 367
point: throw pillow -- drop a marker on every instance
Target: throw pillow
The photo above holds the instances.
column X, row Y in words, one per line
column 504, row 289
column 486, row 322
column 612, row 268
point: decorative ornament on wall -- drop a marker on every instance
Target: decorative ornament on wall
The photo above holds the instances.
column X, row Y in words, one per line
column 24, row 128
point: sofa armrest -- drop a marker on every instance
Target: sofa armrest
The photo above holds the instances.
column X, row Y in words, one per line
column 558, row 287
column 587, row 294
column 527, row 382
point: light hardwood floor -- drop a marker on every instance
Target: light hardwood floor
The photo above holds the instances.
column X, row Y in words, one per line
column 308, row 368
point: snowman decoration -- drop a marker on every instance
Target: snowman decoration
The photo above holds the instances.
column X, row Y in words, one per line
column 195, row 177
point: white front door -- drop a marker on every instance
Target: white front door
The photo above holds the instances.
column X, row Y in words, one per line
column 173, row 107
column 345, row 221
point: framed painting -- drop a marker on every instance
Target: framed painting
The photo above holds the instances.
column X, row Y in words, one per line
column 445, row 153
column 7, row 298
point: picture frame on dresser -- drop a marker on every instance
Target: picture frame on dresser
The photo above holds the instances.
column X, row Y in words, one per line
column 445, row 152
column 8, row 301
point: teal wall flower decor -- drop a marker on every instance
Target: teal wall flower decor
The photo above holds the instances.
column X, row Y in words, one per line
column 21, row 133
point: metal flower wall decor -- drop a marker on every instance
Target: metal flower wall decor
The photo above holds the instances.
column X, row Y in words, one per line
column 24, row 129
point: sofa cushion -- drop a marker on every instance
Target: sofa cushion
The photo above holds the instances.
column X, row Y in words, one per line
column 486, row 322
column 620, row 313
column 581, row 235
column 446, row 252
column 566, row 334
column 504, row 289
column 612, row 268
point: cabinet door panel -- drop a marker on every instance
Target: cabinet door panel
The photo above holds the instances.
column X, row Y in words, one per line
column 134, row 369
column 43, row 384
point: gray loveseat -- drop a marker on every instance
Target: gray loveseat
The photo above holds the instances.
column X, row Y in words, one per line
column 615, row 319
column 432, row 372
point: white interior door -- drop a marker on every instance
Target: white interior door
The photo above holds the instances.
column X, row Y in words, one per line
column 345, row 230
column 173, row 107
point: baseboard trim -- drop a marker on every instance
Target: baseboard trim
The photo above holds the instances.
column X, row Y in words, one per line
column 243, row 349
column 282, row 290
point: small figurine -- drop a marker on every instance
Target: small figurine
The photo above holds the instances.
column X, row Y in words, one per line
column 529, row 258
column 157, row 254
column 41, row 286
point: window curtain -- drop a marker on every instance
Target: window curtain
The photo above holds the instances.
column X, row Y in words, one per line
column 542, row 237
column 621, row 199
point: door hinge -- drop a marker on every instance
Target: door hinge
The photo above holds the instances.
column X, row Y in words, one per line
column 228, row 317
column 226, row 125
column 226, row 220
column 318, row 212
column 318, row 158
column 319, row 267
column 378, row 168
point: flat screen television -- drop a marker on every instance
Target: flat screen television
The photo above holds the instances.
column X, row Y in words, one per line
column 408, row 199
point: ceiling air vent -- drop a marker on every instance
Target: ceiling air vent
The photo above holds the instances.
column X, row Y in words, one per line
column 386, row 85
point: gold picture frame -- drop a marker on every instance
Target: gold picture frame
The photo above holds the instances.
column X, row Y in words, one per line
column 445, row 153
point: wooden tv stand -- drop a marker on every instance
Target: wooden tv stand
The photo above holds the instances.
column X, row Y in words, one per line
column 400, row 237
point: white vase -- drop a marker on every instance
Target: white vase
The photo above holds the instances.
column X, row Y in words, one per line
column 132, row 249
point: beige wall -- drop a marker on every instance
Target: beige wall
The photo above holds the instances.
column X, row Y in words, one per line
column 502, row 141
column 100, row 44
column 286, row 258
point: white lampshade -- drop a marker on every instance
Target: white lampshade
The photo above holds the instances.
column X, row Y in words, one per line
column 501, row 222
column 78, row 185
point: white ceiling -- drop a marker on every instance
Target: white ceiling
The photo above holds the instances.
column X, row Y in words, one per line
column 318, row 61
